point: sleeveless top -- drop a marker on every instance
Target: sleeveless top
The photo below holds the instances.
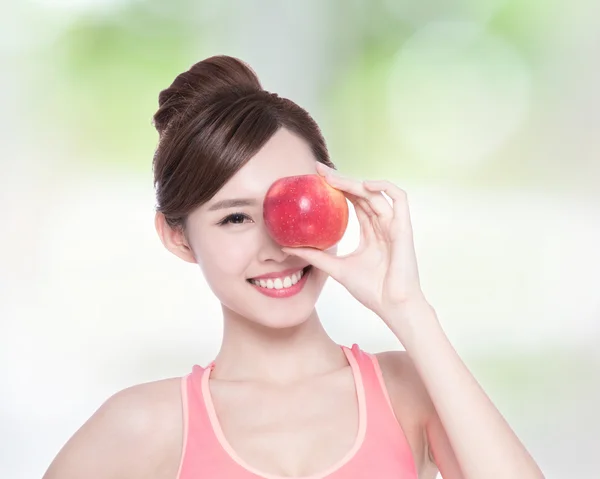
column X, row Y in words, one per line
column 380, row 449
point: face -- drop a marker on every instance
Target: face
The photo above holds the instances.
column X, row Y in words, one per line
column 231, row 244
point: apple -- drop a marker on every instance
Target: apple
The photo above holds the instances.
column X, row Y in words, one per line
column 305, row 211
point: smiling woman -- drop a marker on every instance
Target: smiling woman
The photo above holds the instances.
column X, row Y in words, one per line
column 282, row 399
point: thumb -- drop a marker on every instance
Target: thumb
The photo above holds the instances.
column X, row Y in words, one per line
column 326, row 262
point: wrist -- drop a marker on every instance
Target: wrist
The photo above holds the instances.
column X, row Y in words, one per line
column 412, row 323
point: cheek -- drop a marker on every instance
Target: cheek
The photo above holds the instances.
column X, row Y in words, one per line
column 225, row 257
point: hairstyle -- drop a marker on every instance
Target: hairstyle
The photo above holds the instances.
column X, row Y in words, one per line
column 211, row 121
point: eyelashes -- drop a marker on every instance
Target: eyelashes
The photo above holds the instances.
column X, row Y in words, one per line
column 231, row 219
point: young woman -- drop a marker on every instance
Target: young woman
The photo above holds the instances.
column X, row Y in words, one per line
column 282, row 399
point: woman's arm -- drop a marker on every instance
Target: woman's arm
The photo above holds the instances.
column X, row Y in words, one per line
column 464, row 427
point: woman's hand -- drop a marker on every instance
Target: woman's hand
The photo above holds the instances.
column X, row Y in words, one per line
column 382, row 272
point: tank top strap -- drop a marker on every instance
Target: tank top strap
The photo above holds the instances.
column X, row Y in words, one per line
column 372, row 379
column 202, row 453
column 384, row 435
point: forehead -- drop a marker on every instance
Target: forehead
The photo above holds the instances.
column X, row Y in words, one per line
column 285, row 154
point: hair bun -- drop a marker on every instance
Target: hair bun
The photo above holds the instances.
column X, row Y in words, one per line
column 200, row 82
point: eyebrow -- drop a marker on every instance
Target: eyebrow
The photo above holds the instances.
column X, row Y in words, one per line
column 233, row 203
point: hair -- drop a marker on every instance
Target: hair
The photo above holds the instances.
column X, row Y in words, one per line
column 211, row 121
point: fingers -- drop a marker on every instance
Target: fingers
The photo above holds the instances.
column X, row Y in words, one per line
column 369, row 195
column 376, row 202
column 390, row 189
column 399, row 199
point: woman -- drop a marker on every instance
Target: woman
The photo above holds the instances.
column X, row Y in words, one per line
column 282, row 399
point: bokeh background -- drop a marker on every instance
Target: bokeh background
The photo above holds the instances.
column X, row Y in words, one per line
column 486, row 112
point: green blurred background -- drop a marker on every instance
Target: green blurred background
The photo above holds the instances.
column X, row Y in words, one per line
column 486, row 112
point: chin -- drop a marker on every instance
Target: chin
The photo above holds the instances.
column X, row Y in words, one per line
column 281, row 322
column 281, row 314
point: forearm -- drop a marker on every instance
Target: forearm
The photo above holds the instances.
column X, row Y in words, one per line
column 483, row 442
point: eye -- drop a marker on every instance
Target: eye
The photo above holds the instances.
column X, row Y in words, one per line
column 234, row 218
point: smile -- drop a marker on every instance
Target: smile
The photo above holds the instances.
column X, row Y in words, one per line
column 284, row 286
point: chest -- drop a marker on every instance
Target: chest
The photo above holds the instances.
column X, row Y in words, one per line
column 295, row 431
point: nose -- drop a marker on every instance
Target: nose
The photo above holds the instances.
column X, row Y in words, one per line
column 269, row 249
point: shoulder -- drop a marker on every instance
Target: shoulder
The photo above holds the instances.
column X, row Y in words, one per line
column 137, row 432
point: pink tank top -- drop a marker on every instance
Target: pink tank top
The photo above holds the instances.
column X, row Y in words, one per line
column 380, row 450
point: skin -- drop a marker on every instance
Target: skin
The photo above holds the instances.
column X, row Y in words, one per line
column 137, row 433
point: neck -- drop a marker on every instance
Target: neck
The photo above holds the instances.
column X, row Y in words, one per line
column 251, row 352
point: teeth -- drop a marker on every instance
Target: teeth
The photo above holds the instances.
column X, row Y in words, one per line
column 279, row 283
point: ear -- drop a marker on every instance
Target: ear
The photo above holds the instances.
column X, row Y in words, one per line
column 173, row 239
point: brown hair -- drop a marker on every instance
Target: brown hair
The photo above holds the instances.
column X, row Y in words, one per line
column 211, row 121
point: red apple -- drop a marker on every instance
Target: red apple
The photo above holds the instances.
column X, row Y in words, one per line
column 305, row 211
